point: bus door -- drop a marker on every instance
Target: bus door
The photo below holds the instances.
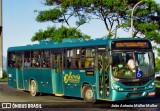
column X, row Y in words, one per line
column 103, row 71
column 57, row 78
column 19, row 70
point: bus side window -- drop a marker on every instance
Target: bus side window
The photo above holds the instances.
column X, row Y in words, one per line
column 35, row 61
column 88, row 58
column 19, row 63
column 27, row 63
column 73, row 58
column 11, row 59
column 45, row 58
column 27, row 59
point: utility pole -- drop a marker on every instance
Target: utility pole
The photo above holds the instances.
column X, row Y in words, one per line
column 1, row 42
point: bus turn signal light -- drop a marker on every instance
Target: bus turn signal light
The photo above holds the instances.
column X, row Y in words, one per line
column 151, row 93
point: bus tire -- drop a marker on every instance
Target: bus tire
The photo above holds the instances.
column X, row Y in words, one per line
column 87, row 94
column 33, row 88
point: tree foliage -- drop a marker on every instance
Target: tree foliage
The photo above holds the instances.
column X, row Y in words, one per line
column 57, row 34
column 59, row 14
column 157, row 60
column 114, row 13
column 4, row 74
column 146, row 20
column 110, row 12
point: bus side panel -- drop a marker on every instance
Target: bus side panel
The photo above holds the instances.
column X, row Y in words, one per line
column 73, row 81
column 12, row 77
column 42, row 78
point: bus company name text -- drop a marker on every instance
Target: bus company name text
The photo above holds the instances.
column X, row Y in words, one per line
column 19, row 105
column 71, row 78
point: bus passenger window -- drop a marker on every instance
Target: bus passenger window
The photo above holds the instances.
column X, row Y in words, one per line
column 35, row 61
column 27, row 63
column 27, row 59
column 45, row 58
column 11, row 59
column 68, row 62
column 83, row 52
column 73, row 58
column 88, row 60
column 19, row 63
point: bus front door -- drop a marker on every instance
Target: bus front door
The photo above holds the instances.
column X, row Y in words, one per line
column 57, row 66
column 103, row 71
column 19, row 70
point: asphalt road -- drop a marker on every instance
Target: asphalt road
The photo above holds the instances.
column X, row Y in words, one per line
column 20, row 99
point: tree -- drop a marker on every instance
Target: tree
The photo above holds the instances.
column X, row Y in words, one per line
column 57, row 34
column 157, row 60
column 59, row 14
column 146, row 20
column 109, row 11
column 114, row 13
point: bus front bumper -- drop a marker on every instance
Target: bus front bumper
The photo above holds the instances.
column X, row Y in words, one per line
column 117, row 95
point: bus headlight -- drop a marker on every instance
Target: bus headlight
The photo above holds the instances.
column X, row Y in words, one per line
column 120, row 89
column 151, row 85
column 117, row 87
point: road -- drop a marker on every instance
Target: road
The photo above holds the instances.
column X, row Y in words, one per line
column 21, row 99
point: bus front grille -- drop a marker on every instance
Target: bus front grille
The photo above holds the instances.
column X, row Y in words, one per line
column 135, row 83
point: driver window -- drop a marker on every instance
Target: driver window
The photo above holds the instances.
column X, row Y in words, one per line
column 123, row 64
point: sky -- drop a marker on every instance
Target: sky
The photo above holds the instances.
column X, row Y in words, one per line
column 19, row 24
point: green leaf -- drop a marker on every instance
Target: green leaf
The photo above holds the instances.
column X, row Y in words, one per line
column 49, row 15
column 57, row 34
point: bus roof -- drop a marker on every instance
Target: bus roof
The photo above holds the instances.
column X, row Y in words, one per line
column 68, row 43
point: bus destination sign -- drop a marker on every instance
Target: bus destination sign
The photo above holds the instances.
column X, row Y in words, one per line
column 130, row 44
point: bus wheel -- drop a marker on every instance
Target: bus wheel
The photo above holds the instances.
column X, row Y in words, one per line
column 33, row 88
column 87, row 94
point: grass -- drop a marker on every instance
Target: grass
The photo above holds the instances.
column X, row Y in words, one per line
column 3, row 79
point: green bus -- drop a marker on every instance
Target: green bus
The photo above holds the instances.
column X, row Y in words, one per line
column 95, row 69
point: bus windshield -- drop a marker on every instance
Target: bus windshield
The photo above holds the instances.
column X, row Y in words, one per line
column 129, row 64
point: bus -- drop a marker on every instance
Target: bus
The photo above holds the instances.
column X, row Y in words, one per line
column 95, row 69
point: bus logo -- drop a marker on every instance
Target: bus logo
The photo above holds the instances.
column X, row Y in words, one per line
column 71, row 78
column 6, row 105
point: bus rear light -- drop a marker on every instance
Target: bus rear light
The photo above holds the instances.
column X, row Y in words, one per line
column 151, row 93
